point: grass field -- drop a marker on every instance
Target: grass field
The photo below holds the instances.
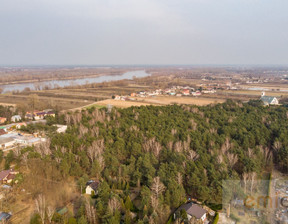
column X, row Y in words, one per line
column 255, row 93
column 120, row 103
column 160, row 100
column 165, row 100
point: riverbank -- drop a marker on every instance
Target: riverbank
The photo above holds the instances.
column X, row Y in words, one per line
column 60, row 83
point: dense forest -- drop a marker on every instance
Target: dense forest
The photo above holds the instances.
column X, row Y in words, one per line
column 150, row 160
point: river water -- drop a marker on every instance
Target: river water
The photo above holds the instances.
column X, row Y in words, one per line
column 73, row 82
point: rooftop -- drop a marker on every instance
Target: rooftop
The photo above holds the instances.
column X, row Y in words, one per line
column 5, row 140
column 193, row 209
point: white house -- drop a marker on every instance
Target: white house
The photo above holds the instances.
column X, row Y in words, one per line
column 27, row 140
column 92, row 187
column 61, row 128
column 269, row 100
column 19, row 125
column 16, row 118
column 192, row 210
column 6, row 142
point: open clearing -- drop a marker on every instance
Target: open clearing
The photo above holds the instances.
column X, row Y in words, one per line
column 165, row 100
column 160, row 100
column 121, row 103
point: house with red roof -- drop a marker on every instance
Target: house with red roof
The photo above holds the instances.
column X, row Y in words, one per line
column 7, row 176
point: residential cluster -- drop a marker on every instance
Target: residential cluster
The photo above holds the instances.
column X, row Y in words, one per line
column 173, row 91
column 11, row 135
column 39, row 115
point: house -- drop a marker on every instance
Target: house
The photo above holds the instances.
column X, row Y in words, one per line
column 2, row 132
column 19, row 125
column 209, row 91
column 16, row 118
column 49, row 114
column 269, row 100
column 92, row 186
column 4, row 128
column 27, row 140
column 61, row 128
column 29, row 116
column 3, row 120
column 117, row 97
column 197, row 93
column 186, row 92
column 40, row 115
column 7, row 176
column 6, row 142
column 192, row 210
column 36, row 115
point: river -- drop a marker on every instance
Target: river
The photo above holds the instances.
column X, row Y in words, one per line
column 72, row 82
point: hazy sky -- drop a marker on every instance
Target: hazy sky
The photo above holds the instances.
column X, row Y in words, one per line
column 143, row 32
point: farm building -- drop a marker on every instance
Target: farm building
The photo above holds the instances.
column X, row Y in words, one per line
column 269, row 100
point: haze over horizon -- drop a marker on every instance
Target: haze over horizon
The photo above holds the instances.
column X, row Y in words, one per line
column 143, row 32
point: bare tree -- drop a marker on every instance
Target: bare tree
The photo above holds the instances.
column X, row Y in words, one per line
column 186, row 144
column 90, row 213
column 252, row 176
column 226, row 146
column 25, row 158
column 192, row 155
column 67, row 118
column 50, row 212
column 170, row 145
column 193, row 125
column 156, row 149
column 250, row 152
column 268, row 156
column 17, row 151
column 153, row 146
column 232, row 159
column 277, row 146
column 82, row 130
column 96, row 149
column 113, row 204
column 43, row 148
column 174, row 131
column 220, row 159
column 154, row 202
column 178, row 147
column 179, row 178
column 245, row 179
column 157, row 186
column 40, row 203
